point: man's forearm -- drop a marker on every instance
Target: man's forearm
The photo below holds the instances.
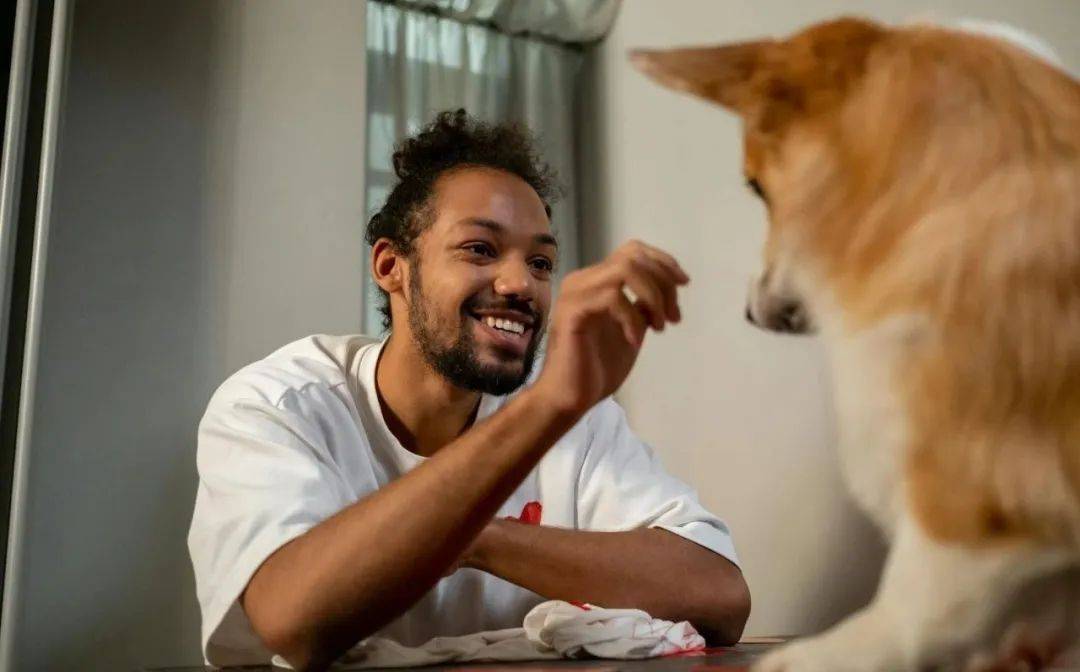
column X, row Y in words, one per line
column 650, row 569
column 350, row 575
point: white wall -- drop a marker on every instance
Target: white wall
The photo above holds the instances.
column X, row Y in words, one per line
column 743, row 415
column 208, row 208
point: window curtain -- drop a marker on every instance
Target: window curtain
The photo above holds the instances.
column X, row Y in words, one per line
column 501, row 60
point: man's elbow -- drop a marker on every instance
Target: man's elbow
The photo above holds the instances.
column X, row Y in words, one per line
column 285, row 634
column 288, row 641
column 729, row 611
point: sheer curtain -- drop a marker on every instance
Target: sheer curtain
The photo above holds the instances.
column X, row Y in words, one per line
column 502, row 60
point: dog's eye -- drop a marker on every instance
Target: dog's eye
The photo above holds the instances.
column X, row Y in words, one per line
column 755, row 187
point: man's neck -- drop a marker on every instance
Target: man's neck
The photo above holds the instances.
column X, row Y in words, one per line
column 423, row 410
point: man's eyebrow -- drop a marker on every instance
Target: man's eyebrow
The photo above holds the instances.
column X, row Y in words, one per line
column 499, row 229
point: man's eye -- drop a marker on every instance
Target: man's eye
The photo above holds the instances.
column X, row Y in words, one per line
column 544, row 265
column 481, row 249
column 755, row 187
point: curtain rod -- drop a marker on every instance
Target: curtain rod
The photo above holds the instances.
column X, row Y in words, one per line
column 406, row 6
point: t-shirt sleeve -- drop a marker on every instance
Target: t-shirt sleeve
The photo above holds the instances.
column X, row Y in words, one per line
column 623, row 485
column 266, row 476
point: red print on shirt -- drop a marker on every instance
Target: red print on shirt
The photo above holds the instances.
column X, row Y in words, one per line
column 530, row 515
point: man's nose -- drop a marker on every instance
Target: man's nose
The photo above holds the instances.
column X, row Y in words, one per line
column 515, row 279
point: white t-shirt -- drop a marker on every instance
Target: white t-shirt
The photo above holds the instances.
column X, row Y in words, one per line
column 294, row 438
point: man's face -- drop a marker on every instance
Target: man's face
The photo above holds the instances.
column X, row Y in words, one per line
column 479, row 284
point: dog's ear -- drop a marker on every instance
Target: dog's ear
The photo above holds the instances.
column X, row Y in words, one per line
column 769, row 80
column 719, row 74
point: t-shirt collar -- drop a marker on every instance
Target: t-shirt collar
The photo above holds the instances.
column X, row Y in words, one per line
column 368, row 401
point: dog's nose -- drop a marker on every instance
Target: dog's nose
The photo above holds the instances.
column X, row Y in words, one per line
column 790, row 318
column 749, row 315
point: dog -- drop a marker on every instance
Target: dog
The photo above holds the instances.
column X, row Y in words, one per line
column 923, row 191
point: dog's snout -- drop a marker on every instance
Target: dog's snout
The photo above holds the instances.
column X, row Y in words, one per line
column 780, row 311
column 789, row 317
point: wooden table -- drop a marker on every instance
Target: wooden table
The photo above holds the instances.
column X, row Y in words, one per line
column 730, row 659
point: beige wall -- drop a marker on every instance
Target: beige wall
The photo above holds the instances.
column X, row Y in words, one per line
column 743, row 415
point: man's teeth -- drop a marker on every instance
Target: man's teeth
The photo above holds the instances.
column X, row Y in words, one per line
column 505, row 325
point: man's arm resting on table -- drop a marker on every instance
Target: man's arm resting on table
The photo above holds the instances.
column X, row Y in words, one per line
column 345, row 578
column 651, row 569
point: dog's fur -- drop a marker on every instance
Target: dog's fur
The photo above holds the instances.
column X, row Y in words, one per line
column 923, row 188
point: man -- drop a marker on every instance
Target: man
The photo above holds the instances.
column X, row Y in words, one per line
column 349, row 487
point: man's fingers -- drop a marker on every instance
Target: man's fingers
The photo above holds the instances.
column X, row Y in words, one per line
column 629, row 317
column 647, row 293
column 649, row 275
column 666, row 271
column 669, row 263
column 636, row 248
column 666, row 281
column 645, row 269
column 610, row 303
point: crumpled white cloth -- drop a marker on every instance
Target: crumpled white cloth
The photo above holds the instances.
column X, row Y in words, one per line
column 552, row 630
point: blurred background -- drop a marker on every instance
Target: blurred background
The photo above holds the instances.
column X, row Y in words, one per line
column 185, row 187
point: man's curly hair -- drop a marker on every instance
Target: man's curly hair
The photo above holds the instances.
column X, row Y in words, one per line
column 452, row 140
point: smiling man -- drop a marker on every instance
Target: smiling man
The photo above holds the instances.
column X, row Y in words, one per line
column 351, row 486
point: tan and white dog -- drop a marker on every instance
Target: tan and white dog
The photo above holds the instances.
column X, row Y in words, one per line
column 923, row 189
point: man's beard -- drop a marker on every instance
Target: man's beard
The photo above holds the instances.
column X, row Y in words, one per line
column 458, row 362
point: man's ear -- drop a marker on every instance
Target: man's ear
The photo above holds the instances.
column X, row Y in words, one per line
column 721, row 74
column 387, row 266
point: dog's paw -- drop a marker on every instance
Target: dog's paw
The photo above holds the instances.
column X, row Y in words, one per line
column 862, row 643
column 810, row 655
column 1023, row 649
column 780, row 660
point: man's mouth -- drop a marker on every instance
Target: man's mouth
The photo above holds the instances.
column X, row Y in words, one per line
column 506, row 330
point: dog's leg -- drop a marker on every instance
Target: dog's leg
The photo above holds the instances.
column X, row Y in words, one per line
column 1042, row 626
column 936, row 605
